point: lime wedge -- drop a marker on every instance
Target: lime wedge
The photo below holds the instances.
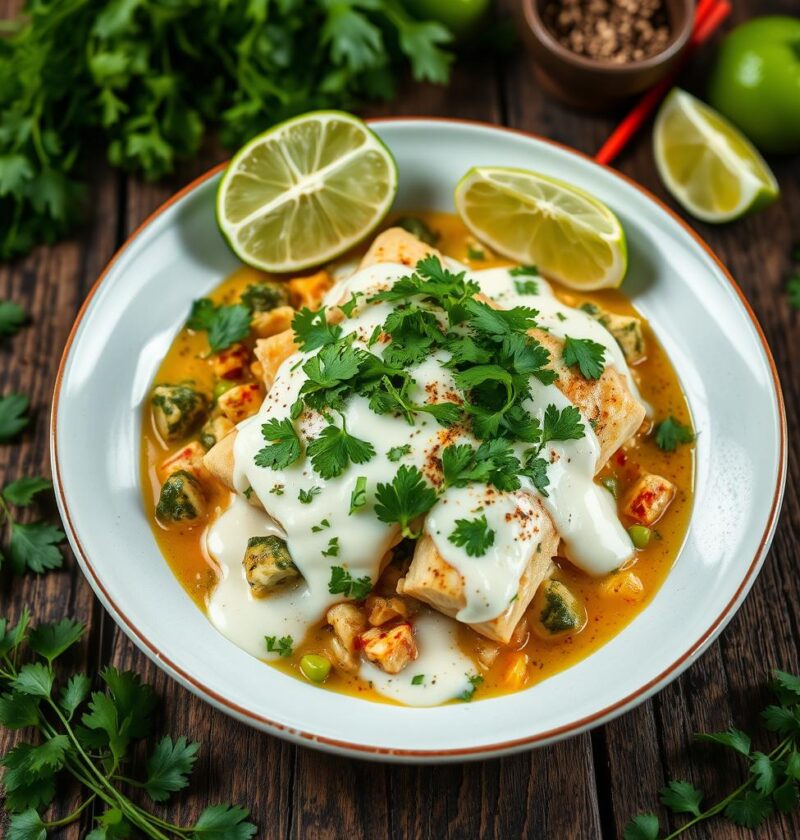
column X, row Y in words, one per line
column 710, row 168
column 567, row 234
column 305, row 191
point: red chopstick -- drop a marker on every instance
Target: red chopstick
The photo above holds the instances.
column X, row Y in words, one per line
column 708, row 17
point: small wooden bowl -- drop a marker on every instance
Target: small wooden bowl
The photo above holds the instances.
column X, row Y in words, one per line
column 594, row 85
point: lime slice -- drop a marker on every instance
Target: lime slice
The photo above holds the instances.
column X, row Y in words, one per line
column 710, row 168
column 305, row 191
column 567, row 234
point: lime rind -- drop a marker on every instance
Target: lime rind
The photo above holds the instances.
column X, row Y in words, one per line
column 707, row 164
column 305, row 191
column 533, row 218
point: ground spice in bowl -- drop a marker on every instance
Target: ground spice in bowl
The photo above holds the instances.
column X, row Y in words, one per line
column 613, row 31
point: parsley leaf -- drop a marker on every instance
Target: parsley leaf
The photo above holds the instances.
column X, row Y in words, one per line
column 358, row 498
column 536, row 470
column 587, row 355
column 307, row 496
column 12, row 317
column 524, row 271
column 406, row 498
column 282, row 646
column 749, row 810
column 493, row 462
column 474, row 681
column 284, row 448
column 51, row 640
column 526, row 287
column 333, row 450
column 682, row 798
column 343, row 583
column 12, row 416
column 34, row 546
column 312, row 330
column 349, row 306
column 223, row 822
column 499, row 322
column 22, row 491
column 670, row 433
column 333, row 548
column 169, row 767
column 473, row 535
column 566, row 424
column 225, row 325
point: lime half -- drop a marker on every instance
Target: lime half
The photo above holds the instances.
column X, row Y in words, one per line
column 566, row 233
column 305, row 191
column 710, row 168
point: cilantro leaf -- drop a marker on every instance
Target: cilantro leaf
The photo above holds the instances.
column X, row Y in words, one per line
column 349, row 306
column 587, row 355
column 524, row 271
column 111, row 825
column 343, row 583
column 418, row 679
column 473, row 535
column 12, row 416
column 407, row 497
column 12, row 317
column 333, row 450
column 17, row 711
column 282, row 646
column 27, row 825
column 733, row 738
column 536, row 470
column 493, row 462
column 34, row 546
column 312, row 330
column 284, row 448
column 169, row 767
column 526, row 287
column 35, row 679
column 565, row 424
column 223, row 822
column 225, row 325
column 499, row 322
column 358, row 498
column 763, row 770
column 682, row 798
column 74, row 693
column 749, row 810
column 51, row 640
column 793, row 291
column 786, row 685
column 642, row 827
column 333, row 548
column 22, row 491
column 474, row 681
column 670, row 433
column 307, row 496
column 398, row 452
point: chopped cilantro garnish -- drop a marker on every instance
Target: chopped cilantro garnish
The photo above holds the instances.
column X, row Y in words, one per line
column 333, row 450
column 307, row 496
column 225, row 325
column 358, row 498
column 524, row 271
column 526, row 287
column 493, row 462
column 284, row 448
column 474, row 681
column 349, row 306
column 475, row 253
column 277, row 490
column 473, row 535
column 282, row 646
column 670, row 433
column 342, row 583
column 321, row 527
column 418, row 679
column 406, row 498
column 333, row 548
column 536, row 470
column 311, row 329
column 566, row 424
column 397, row 452
column 585, row 354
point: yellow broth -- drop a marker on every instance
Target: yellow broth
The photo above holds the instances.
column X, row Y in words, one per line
column 610, row 603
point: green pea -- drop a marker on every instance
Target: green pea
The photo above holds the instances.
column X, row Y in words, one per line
column 640, row 535
column 612, row 485
column 221, row 386
column 315, row 667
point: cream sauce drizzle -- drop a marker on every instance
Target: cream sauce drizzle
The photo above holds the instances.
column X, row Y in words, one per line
column 583, row 512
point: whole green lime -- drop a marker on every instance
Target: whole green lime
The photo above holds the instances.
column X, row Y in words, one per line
column 461, row 17
column 755, row 81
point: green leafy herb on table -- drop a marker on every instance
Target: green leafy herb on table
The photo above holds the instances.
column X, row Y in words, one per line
column 772, row 783
column 13, row 416
column 90, row 736
column 31, row 545
column 146, row 84
column 12, row 317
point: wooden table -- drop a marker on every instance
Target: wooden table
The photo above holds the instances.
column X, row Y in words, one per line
column 586, row 787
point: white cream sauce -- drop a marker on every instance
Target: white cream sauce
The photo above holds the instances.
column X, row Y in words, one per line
column 324, row 533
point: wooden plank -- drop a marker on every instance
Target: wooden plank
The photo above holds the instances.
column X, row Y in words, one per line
column 50, row 284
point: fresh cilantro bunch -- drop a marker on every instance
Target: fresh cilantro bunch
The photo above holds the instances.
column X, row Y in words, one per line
column 31, row 545
column 146, row 80
column 772, row 783
column 89, row 735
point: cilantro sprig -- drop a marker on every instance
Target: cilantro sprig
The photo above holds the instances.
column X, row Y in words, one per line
column 772, row 783
column 670, row 433
column 12, row 317
column 473, row 535
column 91, row 736
column 225, row 325
column 343, row 583
column 407, row 497
column 587, row 355
column 33, row 545
column 282, row 646
column 283, row 448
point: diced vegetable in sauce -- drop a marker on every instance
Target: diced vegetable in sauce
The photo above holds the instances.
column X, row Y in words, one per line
column 181, row 498
column 177, row 410
column 267, row 563
column 557, row 610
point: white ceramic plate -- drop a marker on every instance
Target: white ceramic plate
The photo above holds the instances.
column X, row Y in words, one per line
column 712, row 337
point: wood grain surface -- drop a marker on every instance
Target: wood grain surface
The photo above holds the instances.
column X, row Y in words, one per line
column 586, row 787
